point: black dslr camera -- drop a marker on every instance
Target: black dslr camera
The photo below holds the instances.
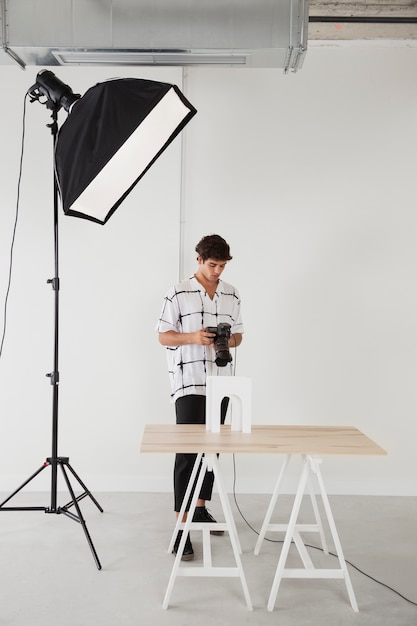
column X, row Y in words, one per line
column 221, row 343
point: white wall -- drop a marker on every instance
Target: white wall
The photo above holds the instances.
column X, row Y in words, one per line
column 311, row 179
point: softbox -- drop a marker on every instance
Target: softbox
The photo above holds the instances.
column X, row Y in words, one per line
column 112, row 136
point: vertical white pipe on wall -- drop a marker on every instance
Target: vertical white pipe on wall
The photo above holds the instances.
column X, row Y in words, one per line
column 181, row 261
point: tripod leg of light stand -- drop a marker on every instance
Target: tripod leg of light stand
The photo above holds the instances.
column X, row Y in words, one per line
column 61, row 461
column 77, row 517
column 23, row 508
column 85, row 494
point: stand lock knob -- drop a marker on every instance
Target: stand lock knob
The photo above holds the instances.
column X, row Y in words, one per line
column 54, row 376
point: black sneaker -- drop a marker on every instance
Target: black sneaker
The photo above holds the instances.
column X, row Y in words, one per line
column 201, row 514
column 188, row 552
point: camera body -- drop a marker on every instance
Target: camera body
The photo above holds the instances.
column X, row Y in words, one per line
column 221, row 343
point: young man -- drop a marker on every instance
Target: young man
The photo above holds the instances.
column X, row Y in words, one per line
column 189, row 308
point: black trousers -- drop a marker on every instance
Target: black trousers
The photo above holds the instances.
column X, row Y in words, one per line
column 192, row 410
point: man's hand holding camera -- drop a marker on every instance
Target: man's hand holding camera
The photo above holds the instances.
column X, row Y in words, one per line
column 205, row 336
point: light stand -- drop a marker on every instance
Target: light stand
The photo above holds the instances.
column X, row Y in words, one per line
column 55, row 461
column 112, row 136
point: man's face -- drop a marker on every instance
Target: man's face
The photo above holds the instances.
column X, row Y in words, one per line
column 211, row 269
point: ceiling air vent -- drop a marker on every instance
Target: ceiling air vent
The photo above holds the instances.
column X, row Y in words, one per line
column 243, row 33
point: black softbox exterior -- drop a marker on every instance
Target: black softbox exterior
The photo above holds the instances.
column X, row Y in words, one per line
column 103, row 125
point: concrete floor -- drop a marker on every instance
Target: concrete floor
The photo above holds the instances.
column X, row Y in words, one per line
column 48, row 575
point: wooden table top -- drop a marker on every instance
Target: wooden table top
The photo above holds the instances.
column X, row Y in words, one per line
column 276, row 439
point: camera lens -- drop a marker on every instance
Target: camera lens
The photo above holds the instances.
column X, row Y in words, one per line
column 221, row 345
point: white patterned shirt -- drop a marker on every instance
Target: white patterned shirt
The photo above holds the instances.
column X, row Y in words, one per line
column 188, row 308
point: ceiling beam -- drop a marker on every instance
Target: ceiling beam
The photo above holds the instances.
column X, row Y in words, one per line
column 394, row 20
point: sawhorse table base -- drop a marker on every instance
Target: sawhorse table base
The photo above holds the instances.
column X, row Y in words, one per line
column 311, row 470
column 208, row 462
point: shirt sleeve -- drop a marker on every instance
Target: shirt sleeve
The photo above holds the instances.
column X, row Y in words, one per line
column 169, row 318
column 237, row 325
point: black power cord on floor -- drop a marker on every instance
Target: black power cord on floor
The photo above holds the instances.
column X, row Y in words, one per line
column 311, row 546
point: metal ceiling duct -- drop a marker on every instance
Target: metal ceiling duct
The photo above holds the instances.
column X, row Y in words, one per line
column 247, row 33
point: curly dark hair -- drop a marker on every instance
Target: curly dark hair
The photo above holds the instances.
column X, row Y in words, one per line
column 213, row 247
